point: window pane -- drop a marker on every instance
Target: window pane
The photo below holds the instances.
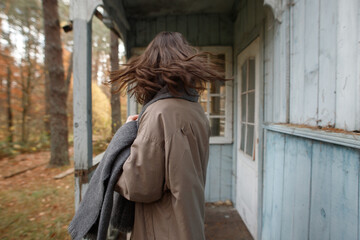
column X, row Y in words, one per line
column 223, row 89
column 217, row 106
column 251, row 74
column 217, row 126
column 243, row 108
column 138, row 108
column 242, row 144
column 222, row 105
column 204, row 99
column 243, row 77
column 222, row 127
column 204, row 105
column 250, row 140
column 216, row 87
column 251, row 107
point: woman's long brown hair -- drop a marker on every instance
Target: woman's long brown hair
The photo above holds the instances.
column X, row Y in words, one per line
column 168, row 60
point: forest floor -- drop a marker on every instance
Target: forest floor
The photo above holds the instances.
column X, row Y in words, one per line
column 33, row 205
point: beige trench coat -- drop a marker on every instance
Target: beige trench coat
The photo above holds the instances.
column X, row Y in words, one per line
column 166, row 171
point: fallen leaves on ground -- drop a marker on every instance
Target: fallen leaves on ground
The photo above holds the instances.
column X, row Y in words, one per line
column 33, row 205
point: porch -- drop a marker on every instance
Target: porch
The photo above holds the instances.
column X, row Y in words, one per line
column 222, row 27
column 262, row 158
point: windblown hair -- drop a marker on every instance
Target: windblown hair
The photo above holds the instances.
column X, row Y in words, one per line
column 169, row 61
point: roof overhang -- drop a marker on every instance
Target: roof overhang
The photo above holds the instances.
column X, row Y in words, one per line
column 153, row 8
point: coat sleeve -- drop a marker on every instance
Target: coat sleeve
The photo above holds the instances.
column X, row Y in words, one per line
column 143, row 173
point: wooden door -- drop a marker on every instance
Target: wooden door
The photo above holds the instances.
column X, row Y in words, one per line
column 248, row 65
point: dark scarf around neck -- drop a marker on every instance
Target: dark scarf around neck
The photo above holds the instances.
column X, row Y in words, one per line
column 163, row 93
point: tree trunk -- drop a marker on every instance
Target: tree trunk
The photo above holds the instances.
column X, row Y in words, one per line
column 27, row 89
column 54, row 62
column 47, row 102
column 26, row 84
column 68, row 75
column 9, row 110
column 23, row 105
column 115, row 98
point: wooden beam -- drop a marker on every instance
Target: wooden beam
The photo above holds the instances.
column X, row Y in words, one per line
column 82, row 96
column 64, row 174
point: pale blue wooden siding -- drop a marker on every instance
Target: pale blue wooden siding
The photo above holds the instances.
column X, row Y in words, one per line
column 311, row 189
column 219, row 173
column 311, row 64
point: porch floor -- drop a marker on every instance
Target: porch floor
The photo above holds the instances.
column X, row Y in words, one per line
column 224, row 223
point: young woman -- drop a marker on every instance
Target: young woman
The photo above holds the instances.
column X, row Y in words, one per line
column 166, row 170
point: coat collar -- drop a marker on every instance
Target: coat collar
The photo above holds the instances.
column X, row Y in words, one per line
column 163, row 93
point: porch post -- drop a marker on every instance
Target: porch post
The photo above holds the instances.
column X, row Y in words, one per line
column 82, row 97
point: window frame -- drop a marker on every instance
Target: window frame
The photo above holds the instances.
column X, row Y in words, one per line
column 228, row 129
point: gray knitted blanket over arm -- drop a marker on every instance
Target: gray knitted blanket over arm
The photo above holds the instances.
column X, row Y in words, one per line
column 93, row 216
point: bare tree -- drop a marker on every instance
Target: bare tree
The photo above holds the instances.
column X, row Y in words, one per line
column 9, row 109
column 115, row 98
column 58, row 89
column 47, row 102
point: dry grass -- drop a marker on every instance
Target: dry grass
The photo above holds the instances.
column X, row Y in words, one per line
column 33, row 205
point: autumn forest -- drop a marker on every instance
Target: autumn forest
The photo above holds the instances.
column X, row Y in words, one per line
column 27, row 87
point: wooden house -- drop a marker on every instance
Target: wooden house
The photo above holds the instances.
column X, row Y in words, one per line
column 285, row 132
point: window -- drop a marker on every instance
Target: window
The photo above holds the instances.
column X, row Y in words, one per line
column 216, row 99
column 247, row 106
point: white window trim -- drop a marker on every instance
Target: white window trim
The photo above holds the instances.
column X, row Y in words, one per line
column 228, row 134
column 227, row 50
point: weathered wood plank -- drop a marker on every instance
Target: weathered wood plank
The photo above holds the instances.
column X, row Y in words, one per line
column 193, row 29
column 344, row 192
column 259, row 11
column 357, row 110
column 311, row 63
column 226, row 164
column 226, row 30
column 320, row 214
column 150, row 30
column 215, row 171
column 171, row 23
column 297, row 47
column 141, row 33
column 204, row 30
column 160, row 24
column 296, row 195
column 64, row 174
column 269, row 65
column 214, row 38
column 273, row 185
column 251, row 20
column 181, row 25
column 82, row 95
column 243, row 20
column 327, row 63
column 346, row 64
column 279, row 81
column 207, row 184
